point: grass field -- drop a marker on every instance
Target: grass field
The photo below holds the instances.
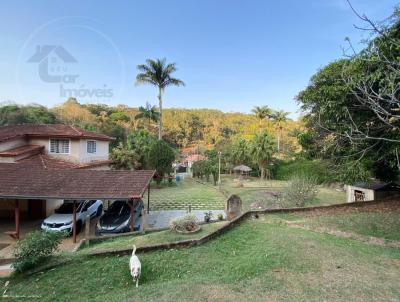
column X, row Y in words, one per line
column 187, row 192
column 380, row 224
column 256, row 261
column 206, row 196
column 153, row 238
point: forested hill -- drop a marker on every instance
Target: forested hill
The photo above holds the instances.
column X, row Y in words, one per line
column 181, row 127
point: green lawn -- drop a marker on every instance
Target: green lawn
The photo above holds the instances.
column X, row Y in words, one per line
column 377, row 224
column 256, row 261
column 256, row 190
column 207, row 196
column 187, row 192
column 153, row 238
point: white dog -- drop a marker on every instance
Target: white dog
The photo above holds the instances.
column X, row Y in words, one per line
column 135, row 266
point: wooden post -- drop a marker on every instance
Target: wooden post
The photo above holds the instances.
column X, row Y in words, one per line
column 87, row 229
column 74, row 223
column 17, row 219
column 143, row 225
column 148, row 198
column 132, row 215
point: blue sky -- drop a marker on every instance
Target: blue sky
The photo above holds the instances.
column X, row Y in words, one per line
column 231, row 54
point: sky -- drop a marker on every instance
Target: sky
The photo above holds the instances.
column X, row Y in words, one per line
column 232, row 55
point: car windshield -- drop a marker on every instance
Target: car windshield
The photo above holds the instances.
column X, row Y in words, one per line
column 68, row 208
column 119, row 207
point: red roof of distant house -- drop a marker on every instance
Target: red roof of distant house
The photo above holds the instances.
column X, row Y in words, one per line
column 71, row 183
column 48, row 130
column 196, row 157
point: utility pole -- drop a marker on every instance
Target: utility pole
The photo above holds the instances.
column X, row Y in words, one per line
column 219, row 169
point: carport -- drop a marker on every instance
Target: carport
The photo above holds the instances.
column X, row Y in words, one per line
column 17, row 184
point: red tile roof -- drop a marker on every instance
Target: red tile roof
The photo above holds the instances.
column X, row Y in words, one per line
column 54, row 130
column 196, row 157
column 39, row 183
column 45, row 162
column 32, row 149
column 95, row 163
column 49, row 162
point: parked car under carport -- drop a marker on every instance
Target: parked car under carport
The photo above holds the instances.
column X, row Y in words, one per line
column 118, row 217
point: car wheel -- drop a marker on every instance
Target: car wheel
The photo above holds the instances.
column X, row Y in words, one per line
column 99, row 211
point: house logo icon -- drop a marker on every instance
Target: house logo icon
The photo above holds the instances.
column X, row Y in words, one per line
column 53, row 62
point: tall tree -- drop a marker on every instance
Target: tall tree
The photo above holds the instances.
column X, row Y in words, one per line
column 148, row 113
column 280, row 118
column 261, row 113
column 262, row 149
column 158, row 73
column 160, row 157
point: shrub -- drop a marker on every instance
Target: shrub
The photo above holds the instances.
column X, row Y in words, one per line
column 184, row 224
column 207, row 216
column 302, row 188
column 316, row 169
column 37, row 246
column 220, row 216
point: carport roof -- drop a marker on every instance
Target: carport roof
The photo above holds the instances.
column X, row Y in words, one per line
column 18, row 183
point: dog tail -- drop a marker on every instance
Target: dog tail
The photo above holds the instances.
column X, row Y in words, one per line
column 134, row 250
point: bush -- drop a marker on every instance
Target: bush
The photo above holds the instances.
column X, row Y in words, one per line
column 302, row 188
column 37, row 246
column 316, row 169
column 184, row 224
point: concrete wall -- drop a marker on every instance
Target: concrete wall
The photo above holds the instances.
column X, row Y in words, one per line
column 51, row 205
column 350, row 193
column 11, row 144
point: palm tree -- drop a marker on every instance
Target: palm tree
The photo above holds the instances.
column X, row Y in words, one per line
column 148, row 113
column 280, row 118
column 158, row 73
column 261, row 149
column 261, row 113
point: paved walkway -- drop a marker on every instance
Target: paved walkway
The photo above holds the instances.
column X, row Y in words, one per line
column 161, row 219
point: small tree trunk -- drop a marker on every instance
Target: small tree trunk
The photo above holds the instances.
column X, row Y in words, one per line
column 262, row 170
column 160, row 92
column 279, row 139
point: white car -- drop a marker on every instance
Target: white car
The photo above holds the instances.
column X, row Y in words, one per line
column 61, row 220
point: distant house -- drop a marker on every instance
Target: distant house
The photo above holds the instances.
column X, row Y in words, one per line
column 189, row 160
column 371, row 191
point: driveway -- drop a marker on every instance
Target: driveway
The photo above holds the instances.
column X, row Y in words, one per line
column 161, row 219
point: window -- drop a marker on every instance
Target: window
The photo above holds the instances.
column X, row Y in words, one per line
column 91, row 146
column 59, row 146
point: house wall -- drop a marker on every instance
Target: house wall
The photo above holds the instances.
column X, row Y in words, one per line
column 51, row 205
column 78, row 150
column 11, row 144
column 350, row 193
column 73, row 156
column 101, row 151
